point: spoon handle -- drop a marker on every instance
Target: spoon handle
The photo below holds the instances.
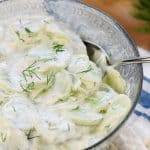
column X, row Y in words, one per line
column 133, row 61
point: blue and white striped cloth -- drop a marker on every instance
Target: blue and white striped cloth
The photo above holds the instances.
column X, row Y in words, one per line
column 143, row 108
column 135, row 135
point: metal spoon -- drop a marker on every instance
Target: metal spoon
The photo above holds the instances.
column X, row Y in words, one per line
column 96, row 52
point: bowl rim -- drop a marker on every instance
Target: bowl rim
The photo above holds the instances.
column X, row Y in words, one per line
column 132, row 42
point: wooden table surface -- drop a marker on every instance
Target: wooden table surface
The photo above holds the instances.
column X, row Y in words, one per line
column 121, row 10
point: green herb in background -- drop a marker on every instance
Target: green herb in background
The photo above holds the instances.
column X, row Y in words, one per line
column 142, row 12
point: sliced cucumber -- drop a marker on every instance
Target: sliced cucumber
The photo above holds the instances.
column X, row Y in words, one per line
column 115, row 113
column 114, row 79
column 85, row 118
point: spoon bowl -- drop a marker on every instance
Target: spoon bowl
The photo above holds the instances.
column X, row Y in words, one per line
column 96, row 53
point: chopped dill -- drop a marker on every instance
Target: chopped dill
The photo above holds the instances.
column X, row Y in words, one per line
column 28, row 30
column 18, row 34
column 23, row 88
column 29, row 138
column 50, row 80
column 29, row 87
column 103, row 111
column 73, row 92
column 30, row 72
column 59, row 101
column 58, row 47
column 29, row 134
column 3, row 137
column 87, row 70
column 46, row 59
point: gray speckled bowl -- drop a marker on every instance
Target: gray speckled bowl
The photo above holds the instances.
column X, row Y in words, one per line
column 90, row 24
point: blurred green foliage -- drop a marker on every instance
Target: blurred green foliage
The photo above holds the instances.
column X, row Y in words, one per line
column 142, row 12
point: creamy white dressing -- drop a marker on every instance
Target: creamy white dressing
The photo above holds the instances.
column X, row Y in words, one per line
column 51, row 95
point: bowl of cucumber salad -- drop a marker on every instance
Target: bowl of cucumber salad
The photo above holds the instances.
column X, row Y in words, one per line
column 52, row 96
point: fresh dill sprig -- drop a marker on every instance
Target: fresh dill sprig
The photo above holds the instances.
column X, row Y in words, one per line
column 29, row 138
column 46, row 59
column 29, row 134
column 29, row 87
column 23, row 88
column 3, row 137
column 50, row 80
column 87, row 70
column 103, row 111
column 30, row 71
column 28, row 30
column 18, row 34
column 142, row 12
column 58, row 47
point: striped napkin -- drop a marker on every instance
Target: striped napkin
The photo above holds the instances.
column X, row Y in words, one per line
column 143, row 108
column 135, row 135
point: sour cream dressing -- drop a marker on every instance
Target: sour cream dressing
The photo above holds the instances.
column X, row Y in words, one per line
column 51, row 95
